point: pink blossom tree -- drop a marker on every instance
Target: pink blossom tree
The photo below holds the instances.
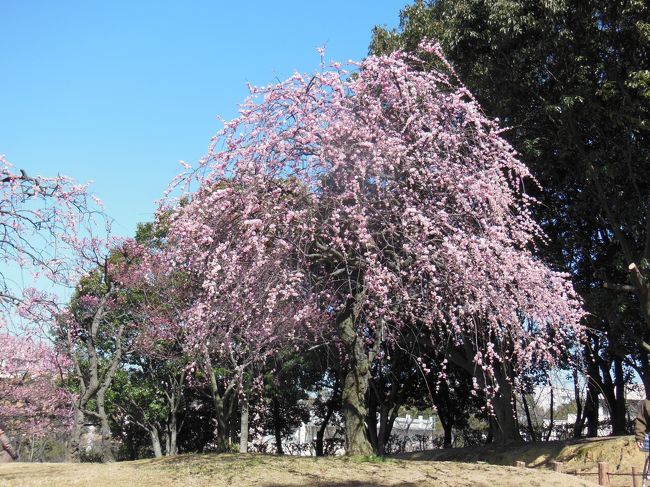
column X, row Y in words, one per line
column 158, row 366
column 49, row 228
column 386, row 200
column 33, row 404
column 251, row 301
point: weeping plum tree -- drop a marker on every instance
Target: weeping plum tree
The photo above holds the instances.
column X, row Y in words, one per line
column 370, row 203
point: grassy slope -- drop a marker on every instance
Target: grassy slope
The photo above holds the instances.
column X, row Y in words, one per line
column 456, row 467
column 271, row 471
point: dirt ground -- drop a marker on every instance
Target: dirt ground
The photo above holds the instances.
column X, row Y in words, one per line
column 272, row 471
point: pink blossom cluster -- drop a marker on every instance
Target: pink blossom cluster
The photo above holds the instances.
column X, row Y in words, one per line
column 32, row 403
column 51, row 226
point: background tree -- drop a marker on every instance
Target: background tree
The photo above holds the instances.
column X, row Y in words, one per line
column 249, row 303
column 33, row 405
column 97, row 330
column 51, row 229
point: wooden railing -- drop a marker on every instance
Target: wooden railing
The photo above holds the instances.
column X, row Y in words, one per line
column 603, row 473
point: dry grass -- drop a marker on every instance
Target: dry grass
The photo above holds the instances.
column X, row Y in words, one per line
column 272, row 471
column 579, row 456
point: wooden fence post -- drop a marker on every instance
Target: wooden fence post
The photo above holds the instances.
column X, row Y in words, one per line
column 557, row 467
column 603, row 473
column 635, row 478
column 520, row 464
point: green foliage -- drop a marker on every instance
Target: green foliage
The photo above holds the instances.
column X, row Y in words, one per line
column 570, row 78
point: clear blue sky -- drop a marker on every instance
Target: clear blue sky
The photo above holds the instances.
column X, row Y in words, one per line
column 119, row 91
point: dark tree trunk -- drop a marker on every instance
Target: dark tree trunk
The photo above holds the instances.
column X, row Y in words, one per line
column 504, row 426
column 448, row 440
column 277, row 425
column 618, row 418
column 591, row 401
column 552, row 416
column 372, row 421
column 387, row 415
column 577, row 427
column 442, row 401
column 644, row 370
column 320, row 434
column 529, row 419
column 222, row 408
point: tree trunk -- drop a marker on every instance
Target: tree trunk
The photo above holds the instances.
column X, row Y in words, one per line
column 173, row 434
column 384, row 429
column 551, row 412
column 168, row 440
column 277, row 425
column 74, row 452
column 448, row 440
column 354, row 411
column 243, row 435
column 644, row 371
column 504, row 425
column 223, row 435
column 320, row 434
column 355, row 384
column 591, row 401
column 577, row 427
column 155, row 442
column 5, row 445
column 371, row 421
column 442, row 401
column 105, row 429
column 222, row 408
column 529, row 419
column 618, row 418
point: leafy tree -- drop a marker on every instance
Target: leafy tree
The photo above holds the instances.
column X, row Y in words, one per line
column 96, row 332
column 288, row 378
column 570, row 79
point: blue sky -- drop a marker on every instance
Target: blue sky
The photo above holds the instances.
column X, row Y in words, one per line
column 119, row 91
